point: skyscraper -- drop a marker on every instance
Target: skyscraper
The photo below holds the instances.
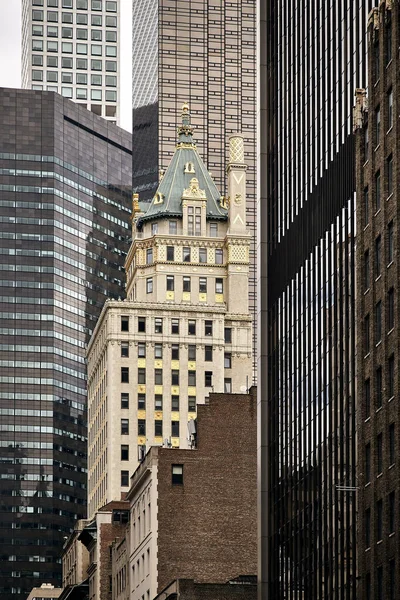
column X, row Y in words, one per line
column 65, row 196
column 312, row 57
column 377, row 142
column 202, row 52
column 73, row 47
column 184, row 329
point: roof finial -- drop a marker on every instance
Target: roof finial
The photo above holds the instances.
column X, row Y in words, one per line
column 185, row 131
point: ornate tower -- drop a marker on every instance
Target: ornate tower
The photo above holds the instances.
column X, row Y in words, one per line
column 184, row 329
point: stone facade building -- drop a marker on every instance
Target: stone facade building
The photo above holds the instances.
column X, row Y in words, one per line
column 75, row 557
column 184, row 329
column 377, row 133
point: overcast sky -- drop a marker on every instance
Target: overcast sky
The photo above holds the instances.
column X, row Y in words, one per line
column 10, row 50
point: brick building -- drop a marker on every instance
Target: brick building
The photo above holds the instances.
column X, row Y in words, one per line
column 241, row 588
column 193, row 512
column 377, row 172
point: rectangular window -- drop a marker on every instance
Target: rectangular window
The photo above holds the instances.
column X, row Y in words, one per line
column 124, row 452
column 208, row 353
column 170, row 253
column 366, row 334
column 191, row 327
column 367, row 389
column 392, row 579
column 141, row 426
column 158, row 428
column 96, row 64
column 392, row 447
column 111, row 36
column 368, row 586
column 149, row 285
column 158, row 351
column 124, row 478
column 379, row 519
column 125, row 400
column 390, row 109
column 389, row 169
column 37, row 60
column 124, row 426
column 208, row 378
column 191, row 352
column 379, row 454
column 213, row 229
column 377, row 126
column 186, row 254
column 366, row 142
column 175, row 403
column 111, row 50
column 173, row 225
column 96, row 79
column 192, row 403
column 158, row 376
column 367, row 463
column 52, row 16
column 175, row 326
column 81, row 48
column 37, row 45
column 97, row 5
column 149, row 256
column 124, row 374
column 81, row 63
column 52, row 76
column 82, row 4
column 366, row 207
column 68, row 18
column 158, row 402
column 141, row 350
column 228, row 385
column 142, row 324
column 141, row 375
column 208, row 327
column 37, row 30
column 175, row 352
column 192, row 378
column 228, row 335
column 366, row 270
column 141, row 401
column 96, row 36
column 111, row 6
column 219, row 286
column 186, row 284
column 392, row 510
column 177, row 474
column 124, row 349
column 203, row 255
column 391, row 376
column 158, row 325
column 378, row 256
column 379, row 580
column 175, row 428
column 202, row 285
column 111, row 67
column 66, row 77
column 391, row 309
column 378, row 387
column 377, row 190
column 227, row 360
column 66, row 32
column 368, row 528
column 219, row 256
column 111, row 80
column 174, row 377
column 170, row 283
column 37, row 75
column 390, row 242
column 378, row 322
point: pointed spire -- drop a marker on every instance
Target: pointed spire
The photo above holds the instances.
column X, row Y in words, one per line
column 185, row 130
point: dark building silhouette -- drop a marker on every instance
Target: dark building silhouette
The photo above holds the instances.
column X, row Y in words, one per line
column 312, row 57
column 65, row 201
column 377, row 146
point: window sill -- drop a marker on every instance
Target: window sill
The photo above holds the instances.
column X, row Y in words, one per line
column 390, row 195
column 380, row 475
column 391, row 534
column 391, row 466
column 367, row 484
column 377, row 212
column 376, row 412
column 366, row 226
column 379, row 542
column 389, row 130
column 377, row 82
column 367, row 419
column 390, row 264
column 378, row 277
column 378, row 344
column 366, row 291
column 377, row 147
column 391, row 398
column 367, row 549
column 367, row 355
column 366, row 162
column 389, row 63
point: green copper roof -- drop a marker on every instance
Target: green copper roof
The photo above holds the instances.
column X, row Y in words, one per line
column 185, row 165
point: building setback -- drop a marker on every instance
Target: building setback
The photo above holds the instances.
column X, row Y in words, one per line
column 65, row 199
column 73, row 47
column 202, row 52
column 184, row 329
column 311, row 60
column 377, row 161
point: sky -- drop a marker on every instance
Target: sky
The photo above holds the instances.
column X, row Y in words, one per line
column 10, row 51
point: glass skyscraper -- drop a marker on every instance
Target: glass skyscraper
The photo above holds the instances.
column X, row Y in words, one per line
column 202, row 52
column 312, row 58
column 65, row 202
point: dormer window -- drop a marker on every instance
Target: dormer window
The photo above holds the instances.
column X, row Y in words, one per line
column 194, row 220
column 158, row 198
column 189, row 168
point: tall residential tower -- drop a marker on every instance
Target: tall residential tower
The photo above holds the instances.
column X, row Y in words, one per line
column 73, row 47
column 184, row 329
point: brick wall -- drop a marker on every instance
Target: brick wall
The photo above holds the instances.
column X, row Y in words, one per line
column 207, row 526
